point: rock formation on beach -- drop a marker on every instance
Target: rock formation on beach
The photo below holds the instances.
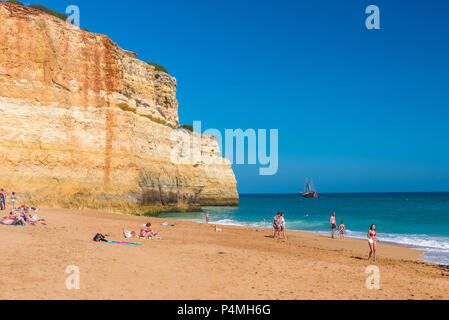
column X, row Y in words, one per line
column 85, row 124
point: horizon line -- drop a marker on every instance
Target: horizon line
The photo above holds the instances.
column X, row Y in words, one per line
column 348, row 192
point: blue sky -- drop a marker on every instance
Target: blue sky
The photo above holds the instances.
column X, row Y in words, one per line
column 358, row 110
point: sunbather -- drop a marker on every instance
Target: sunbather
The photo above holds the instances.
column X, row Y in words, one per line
column 13, row 219
column 8, row 221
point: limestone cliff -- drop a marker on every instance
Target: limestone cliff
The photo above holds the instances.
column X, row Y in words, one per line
column 85, row 124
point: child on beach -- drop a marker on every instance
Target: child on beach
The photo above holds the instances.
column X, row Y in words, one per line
column 207, row 217
column 130, row 234
column 342, row 230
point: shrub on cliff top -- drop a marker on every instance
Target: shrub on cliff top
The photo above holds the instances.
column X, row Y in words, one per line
column 16, row 2
column 158, row 67
column 61, row 16
column 188, row 127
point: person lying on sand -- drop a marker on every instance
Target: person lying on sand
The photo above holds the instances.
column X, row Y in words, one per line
column 22, row 214
column 130, row 234
column 9, row 221
column 34, row 219
column 13, row 219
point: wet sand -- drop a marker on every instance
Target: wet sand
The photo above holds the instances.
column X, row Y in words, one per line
column 194, row 262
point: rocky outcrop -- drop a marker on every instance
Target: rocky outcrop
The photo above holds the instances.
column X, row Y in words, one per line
column 85, row 124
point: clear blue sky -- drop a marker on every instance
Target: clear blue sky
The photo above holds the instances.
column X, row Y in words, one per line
column 357, row 110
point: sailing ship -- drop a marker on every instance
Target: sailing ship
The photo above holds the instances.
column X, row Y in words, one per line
column 310, row 192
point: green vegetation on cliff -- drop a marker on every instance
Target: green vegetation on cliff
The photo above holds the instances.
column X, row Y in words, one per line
column 64, row 17
column 188, row 127
column 61, row 16
column 158, row 67
column 16, row 2
column 42, row 8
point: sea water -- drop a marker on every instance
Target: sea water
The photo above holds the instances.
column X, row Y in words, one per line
column 417, row 220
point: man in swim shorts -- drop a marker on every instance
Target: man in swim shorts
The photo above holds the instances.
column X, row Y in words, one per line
column 333, row 224
column 276, row 226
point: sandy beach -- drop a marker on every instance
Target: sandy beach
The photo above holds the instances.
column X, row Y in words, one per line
column 194, row 262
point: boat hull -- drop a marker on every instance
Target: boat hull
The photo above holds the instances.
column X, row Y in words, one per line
column 310, row 195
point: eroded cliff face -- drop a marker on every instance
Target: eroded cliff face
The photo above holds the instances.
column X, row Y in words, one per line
column 85, row 124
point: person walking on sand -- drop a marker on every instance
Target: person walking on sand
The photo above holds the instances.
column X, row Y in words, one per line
column 276, row 225
column 282, row 226
column 207, row 217
column 372, row 242
column 333, row 224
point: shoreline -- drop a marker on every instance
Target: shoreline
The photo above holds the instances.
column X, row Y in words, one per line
column 420, row 248
column 195, row 263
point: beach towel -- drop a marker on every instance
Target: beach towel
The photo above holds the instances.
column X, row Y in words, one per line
column 122, row 243
column 14, row 225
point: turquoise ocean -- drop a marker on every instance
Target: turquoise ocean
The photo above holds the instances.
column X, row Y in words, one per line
column 416, row 220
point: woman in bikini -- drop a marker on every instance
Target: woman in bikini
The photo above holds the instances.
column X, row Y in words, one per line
column 372, row 242
column 13, row 200
column 146, row 231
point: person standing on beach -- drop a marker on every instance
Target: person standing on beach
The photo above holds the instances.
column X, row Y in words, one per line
column 333, row 224
column 207, row 217
column 342, row 229
column 276, row 225
column 13, row 201
column 372, row 242
column 282, row 226
column 2, row 199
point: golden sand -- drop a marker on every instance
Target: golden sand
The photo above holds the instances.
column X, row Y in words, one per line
column 194, row 262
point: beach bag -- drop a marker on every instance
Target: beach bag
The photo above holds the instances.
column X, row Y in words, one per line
column 99, row 237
